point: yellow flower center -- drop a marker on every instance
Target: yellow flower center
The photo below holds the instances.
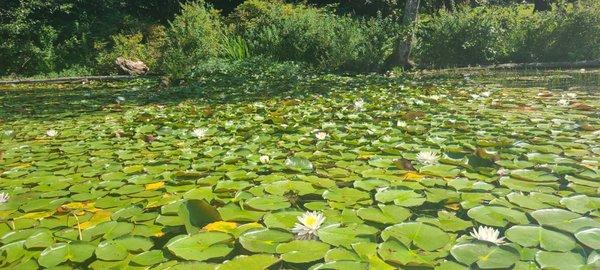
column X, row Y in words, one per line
column 310, row 221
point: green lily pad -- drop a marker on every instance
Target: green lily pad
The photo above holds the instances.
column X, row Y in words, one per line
column 563, row 220
column 63, row 252
column 484, row 255
column 268, row 203
column 589, row 237
column 201, row 246
column 559, row 260
column 302, row 251
column 299, row 164
column 533, row 236
column 264, row 241
column 424, row 236
column 252, row 262
column 497, row 216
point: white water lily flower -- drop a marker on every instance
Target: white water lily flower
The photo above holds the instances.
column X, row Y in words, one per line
column 437, row 97
column 427, row 157
column 488, row 234
column 415, row 101
column 401, row 123
column 51, row 133
column 475, row 96
column 308, row 224
column 320, row 135
column 4, row 197
column 199, row 132
column 572, row 95
column 486, row 93
column 563, row 102
column 503, row 172
column 557, row 121
column 264, row 159
column 359, row 104
column 120, row 99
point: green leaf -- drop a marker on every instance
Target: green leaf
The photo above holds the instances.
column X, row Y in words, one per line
column 589, row 237
column 559, row 260
column 497, row 216
column 536, row 176
column 385, row 214
column 441, row 170
column 422, row 235
column 346, row 195
column 148, row 258
column 394, row 251
column 201, row 246
column 111, row 250
column 281, row 220
column 265, row 240
column 41, row 239
column 299, row 164
column 268, row 203
column 62, row 252
column 252, row 262
column 533, row 236
column 340, row 236
column 196, row 213
column 581, row 203
column 302, row 251
column 563, row 220
column 484, row 255
column 405, row 198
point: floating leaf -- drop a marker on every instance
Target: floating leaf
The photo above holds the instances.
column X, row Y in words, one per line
column 299, row 164
column 201, row 246
column 265, row 240
column 62, row 252
column 563, row 220
column 497, row 216
column 424, row 236
column 484, row 255
column 559, row 260
column 589, row 237
column 533, row 236
column 252, row 262
column 302, row 251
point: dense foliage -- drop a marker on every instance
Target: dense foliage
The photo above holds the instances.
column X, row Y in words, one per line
column 215, row 176
column 72, row 37
column 311, row 35
column 483, row 35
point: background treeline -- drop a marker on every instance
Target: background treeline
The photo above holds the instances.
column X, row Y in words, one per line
column 74, row 37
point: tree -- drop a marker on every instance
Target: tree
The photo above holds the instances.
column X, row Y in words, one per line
column 403, row 46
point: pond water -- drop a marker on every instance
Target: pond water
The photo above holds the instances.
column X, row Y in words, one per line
column 215, row 175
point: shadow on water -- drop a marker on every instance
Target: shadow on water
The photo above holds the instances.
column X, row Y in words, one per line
column 58, row 101
column 586, row 80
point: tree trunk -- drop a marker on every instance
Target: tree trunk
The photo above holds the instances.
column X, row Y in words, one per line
column 541, row 5
column 403, row 46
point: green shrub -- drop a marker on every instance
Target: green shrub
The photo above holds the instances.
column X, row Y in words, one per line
column 128, row 46
column 27, row 49
column 234, row 47
column 486, row 35
column 145, row 47
column 466, row 37
column 192, row 37
column 315, row 36
column 570, row 36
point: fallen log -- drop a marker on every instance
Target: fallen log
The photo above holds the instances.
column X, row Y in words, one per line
column 72, row 79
